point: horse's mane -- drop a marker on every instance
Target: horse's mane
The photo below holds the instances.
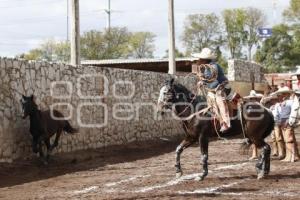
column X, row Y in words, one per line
column 182, row 89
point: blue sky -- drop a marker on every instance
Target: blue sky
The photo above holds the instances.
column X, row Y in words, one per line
column 24, row 24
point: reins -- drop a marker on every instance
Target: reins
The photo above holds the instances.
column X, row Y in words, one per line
column 241, row 119
column 185, row 109
column 204, row 110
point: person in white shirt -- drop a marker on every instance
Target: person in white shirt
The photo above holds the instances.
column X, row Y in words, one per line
column 282, row 112
column 278, row 146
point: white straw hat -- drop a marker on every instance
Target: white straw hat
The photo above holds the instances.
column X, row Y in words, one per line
column 206, row 53
column 283, row 90
column 253, row 94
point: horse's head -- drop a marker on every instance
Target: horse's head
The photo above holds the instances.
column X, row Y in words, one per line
column 166, row 97
column 28, row 105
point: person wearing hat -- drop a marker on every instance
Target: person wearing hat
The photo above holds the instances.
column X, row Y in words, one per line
column 297, row 86
column 278, row 146
column 253, row 97
column 213, row 78
column 282, row 113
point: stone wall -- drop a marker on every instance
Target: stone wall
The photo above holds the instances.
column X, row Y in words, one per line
column 242, row 74
column 102, row 102
column 245, row 71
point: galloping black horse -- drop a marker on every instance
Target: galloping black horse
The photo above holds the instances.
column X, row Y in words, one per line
column 43, row 126
column 258, row 124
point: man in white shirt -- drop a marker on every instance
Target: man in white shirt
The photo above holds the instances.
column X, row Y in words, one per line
column 282, row 112
column 278, row 146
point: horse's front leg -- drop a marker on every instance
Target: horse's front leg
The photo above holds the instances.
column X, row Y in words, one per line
column 48, row 145
column 183, row 145
column 55, row 143
column 35, row 144
column 41, row 153
column 203, row 141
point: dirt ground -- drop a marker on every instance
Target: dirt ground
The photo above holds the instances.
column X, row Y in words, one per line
column 146, row 171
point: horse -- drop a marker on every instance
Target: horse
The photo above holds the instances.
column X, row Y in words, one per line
column 256, row 123
column 43, row 125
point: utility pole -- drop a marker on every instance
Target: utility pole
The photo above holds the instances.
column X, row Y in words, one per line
column 75, row 33
column 108, row 12
column 274, row 12
column 67, row 20
column 172, row 62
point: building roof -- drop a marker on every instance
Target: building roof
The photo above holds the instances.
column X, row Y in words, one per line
column 131, row 61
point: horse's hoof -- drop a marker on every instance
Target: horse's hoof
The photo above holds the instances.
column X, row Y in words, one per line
column 261, row 175
column 199, row 178
column 178, row 174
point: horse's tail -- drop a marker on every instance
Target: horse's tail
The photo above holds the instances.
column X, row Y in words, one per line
column 69, row 129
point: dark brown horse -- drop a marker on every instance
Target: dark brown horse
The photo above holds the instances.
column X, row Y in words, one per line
column 258, row 124
column 43, row 126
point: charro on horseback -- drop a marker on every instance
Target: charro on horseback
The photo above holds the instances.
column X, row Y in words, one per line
column 213, row 79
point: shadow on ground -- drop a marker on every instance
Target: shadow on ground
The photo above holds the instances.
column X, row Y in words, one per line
column 24, row 171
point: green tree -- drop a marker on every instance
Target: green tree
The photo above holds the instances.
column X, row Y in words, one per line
column 255, row 19
column 34, row 54
column 50, row 50
column 141, row 45
column 96, row 45
column 178, row 54
column 235, row 20
column 292, row 13
column 117, row 43
column 201, row 31
column 221, row 60
column 280, row 52
column 110, row 44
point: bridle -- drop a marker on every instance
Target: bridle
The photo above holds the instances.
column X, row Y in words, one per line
column 189, row 103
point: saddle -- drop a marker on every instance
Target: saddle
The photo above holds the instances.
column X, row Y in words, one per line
column 233, row 100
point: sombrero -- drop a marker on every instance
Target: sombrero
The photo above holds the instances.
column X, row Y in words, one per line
column 206, row 54
column 254, row 95
column 283, row 90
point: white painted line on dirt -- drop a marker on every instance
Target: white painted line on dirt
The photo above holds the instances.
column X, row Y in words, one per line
column 235, row 166
column 187, row 177
column 283, row 193
column 210, row 190
column 112, row 184
column 169, row 183
column 125, row 180
column 86, row 190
